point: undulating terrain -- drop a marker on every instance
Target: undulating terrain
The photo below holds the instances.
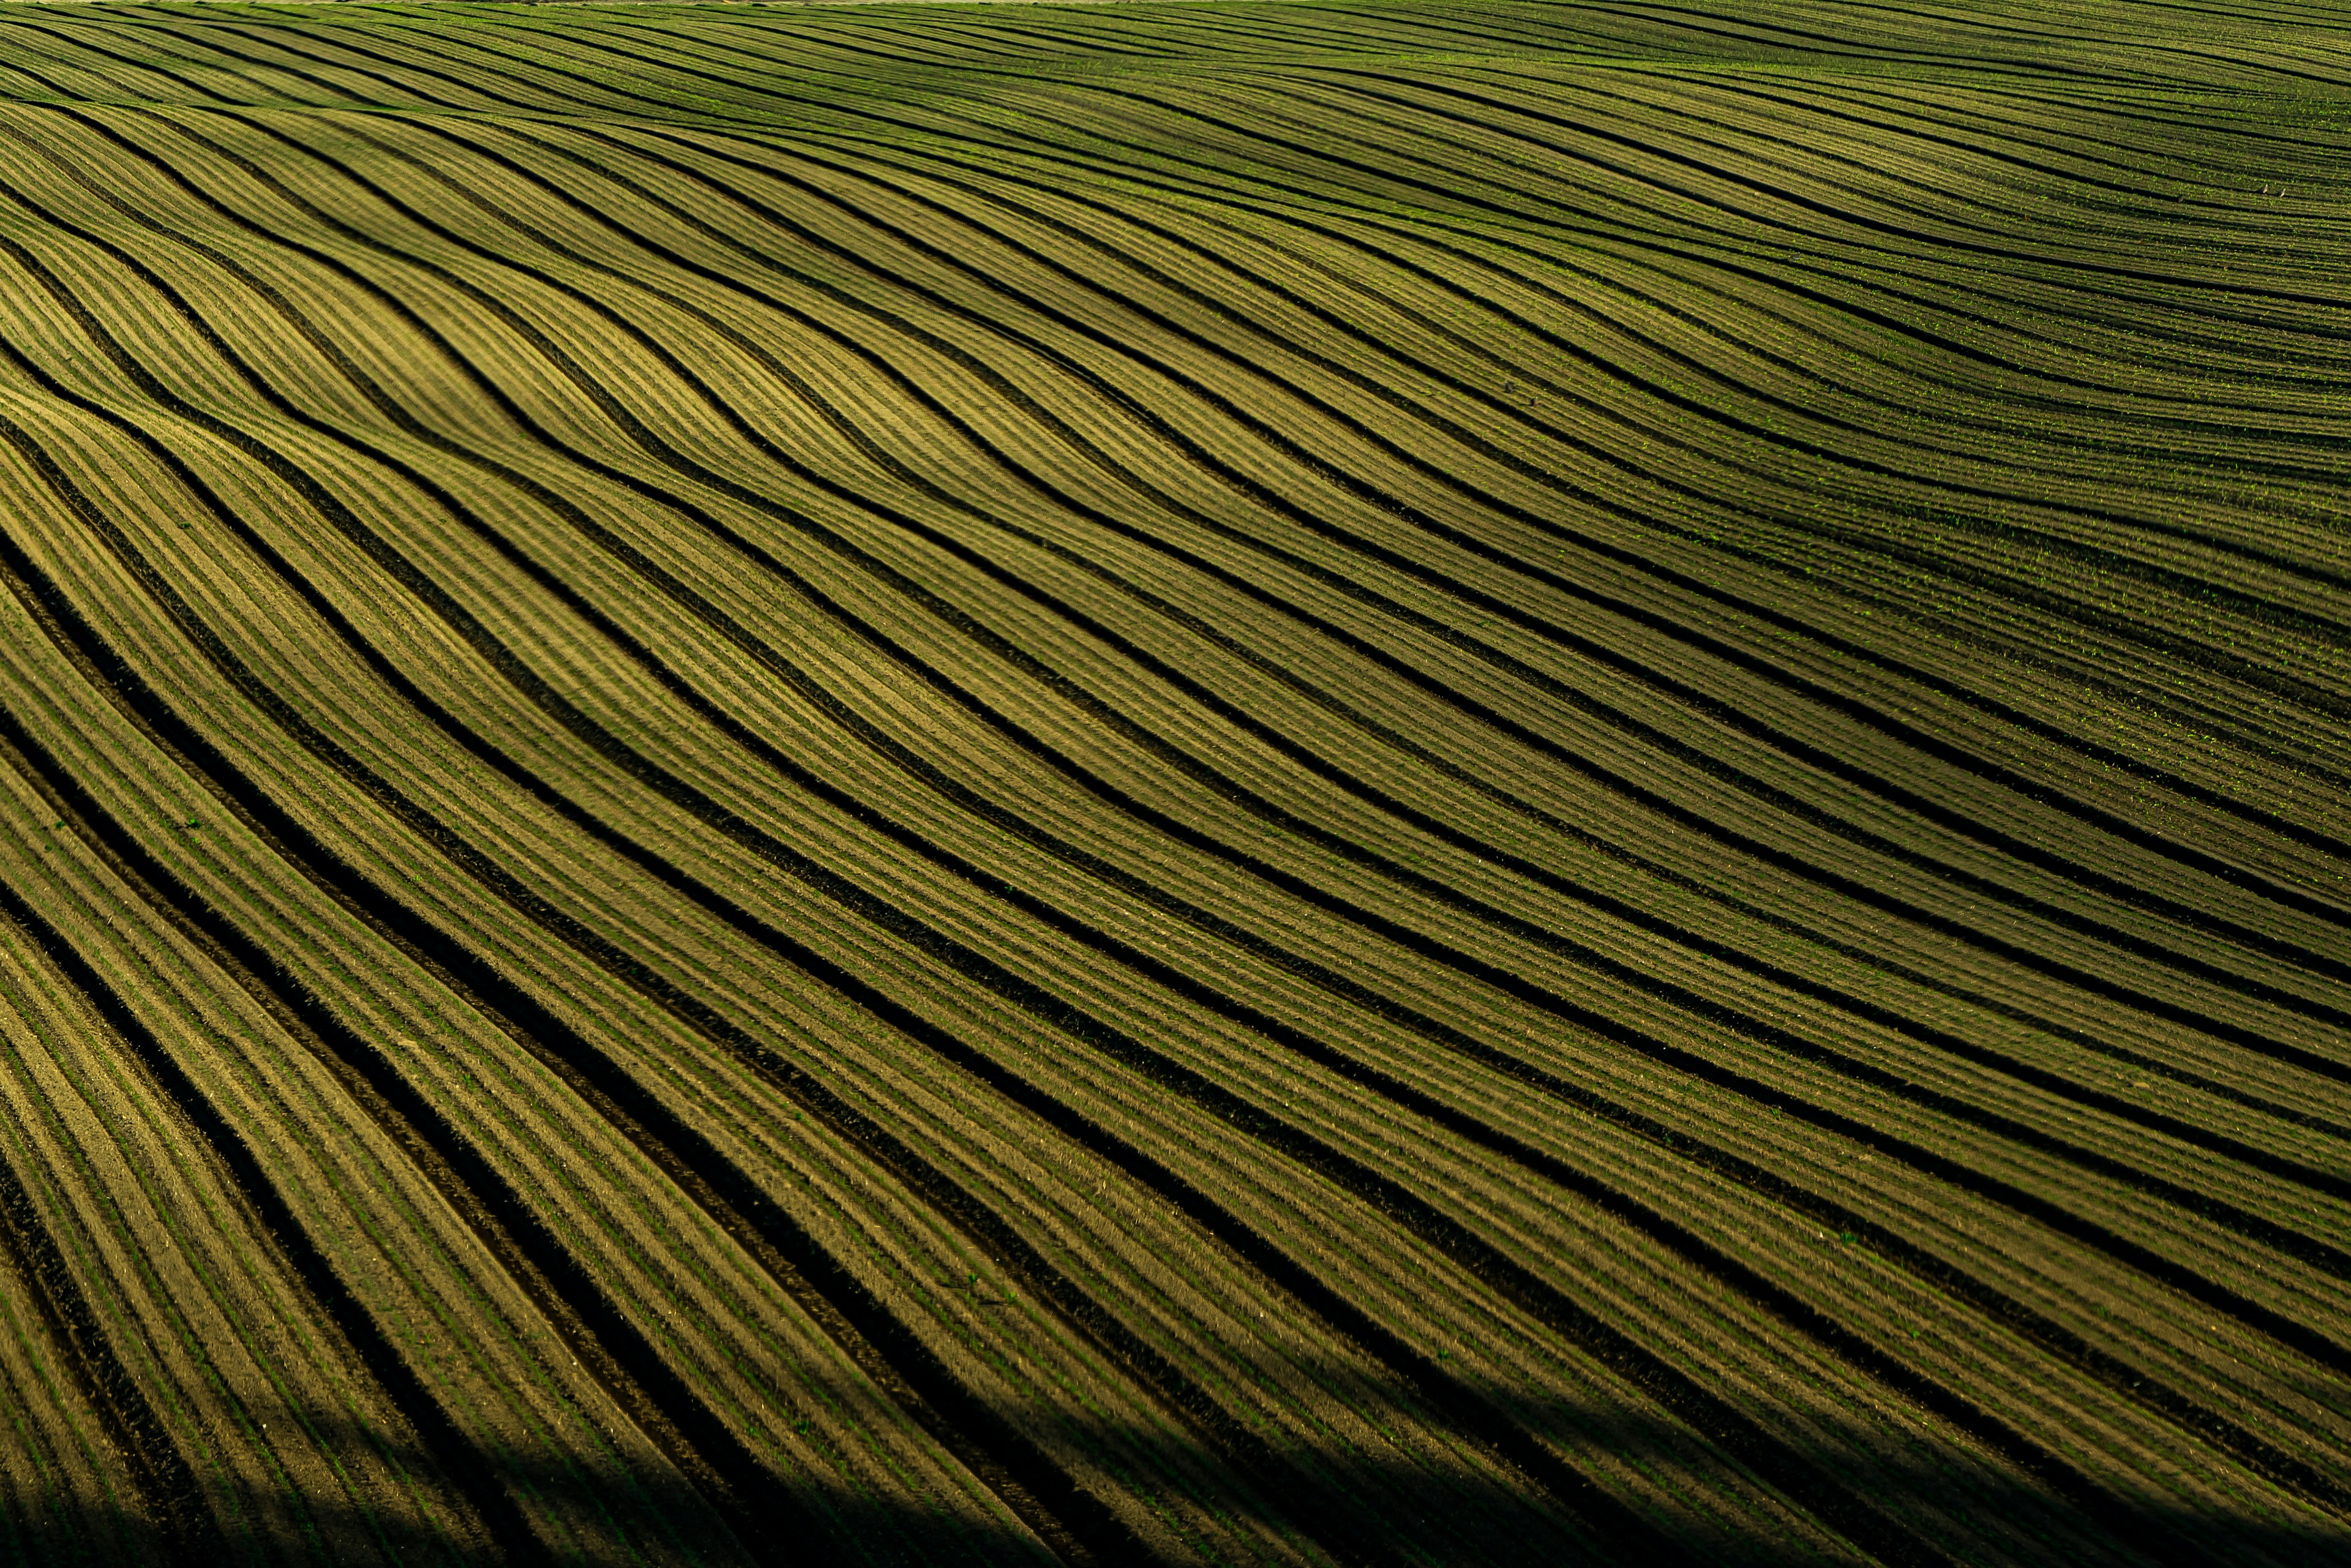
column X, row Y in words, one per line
column 1389, row 783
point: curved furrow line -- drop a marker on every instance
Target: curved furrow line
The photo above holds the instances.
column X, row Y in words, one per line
column 437, row 44
column 414, row 477
column 266, row 41
column 2030, row 149
column 83, row 46
column 2171, row 132
column 510, row 1229
column 547, row 1274
column 12, row 68
column 1735, row 266
column 190, row 33
column 2021, row 149
column 550, row 1276
column 171, row 1243
column 652, row 37
column 77, row 61
column 1676, row 126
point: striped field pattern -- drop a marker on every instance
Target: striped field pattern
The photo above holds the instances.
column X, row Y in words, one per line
column 1376, row 782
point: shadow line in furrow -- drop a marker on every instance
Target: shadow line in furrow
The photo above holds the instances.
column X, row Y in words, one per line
column 480, row 1192
column 2252, row 1448
column 2270, row 1233
column 1797, row 1477
column 1805, row 1318
column 2272, row 1323
column 680, row 1421
column 170, row 1501
column 25, row 25
column 996, row 523
column 1898, row 852
column 864, row 114
column 1649, row 116
column 610, row 957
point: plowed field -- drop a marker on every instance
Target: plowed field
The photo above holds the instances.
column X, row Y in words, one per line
column 1377, row 783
